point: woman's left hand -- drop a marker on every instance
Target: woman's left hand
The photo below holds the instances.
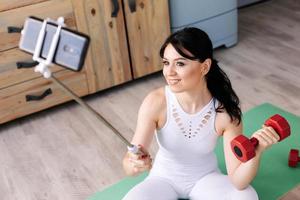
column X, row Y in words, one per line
column 266, row 137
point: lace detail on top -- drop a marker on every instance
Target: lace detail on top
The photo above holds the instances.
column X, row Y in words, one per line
column 189, row 130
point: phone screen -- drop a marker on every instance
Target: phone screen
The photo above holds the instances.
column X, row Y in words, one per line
column 71, row 49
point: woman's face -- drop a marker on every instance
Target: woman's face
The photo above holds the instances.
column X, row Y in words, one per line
column 181, row 73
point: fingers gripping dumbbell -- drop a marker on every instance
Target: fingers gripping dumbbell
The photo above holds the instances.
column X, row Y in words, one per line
column 294, row 158
column 244, row 148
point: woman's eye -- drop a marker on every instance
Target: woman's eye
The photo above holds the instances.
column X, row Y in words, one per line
column 165, row 63
column 180, row 64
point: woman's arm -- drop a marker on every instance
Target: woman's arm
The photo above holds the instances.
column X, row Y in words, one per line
column 241, row 174
column 148, row 116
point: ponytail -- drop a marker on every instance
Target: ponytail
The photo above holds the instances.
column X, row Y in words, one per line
column 220, row 87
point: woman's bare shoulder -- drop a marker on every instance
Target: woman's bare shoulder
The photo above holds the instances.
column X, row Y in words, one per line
column 156, row 98
column 153, row 106
column 154, row 101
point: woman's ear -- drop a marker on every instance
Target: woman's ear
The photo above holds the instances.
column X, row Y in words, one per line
column 206, row 66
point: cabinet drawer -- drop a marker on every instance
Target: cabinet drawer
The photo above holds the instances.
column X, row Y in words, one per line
column 16, row 17
column 13, row 103
column 10, row 75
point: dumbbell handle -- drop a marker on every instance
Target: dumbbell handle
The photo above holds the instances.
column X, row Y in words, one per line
column 254, row 141
column 269, row 123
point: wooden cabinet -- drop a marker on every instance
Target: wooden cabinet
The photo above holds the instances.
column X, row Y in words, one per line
column 124, row 45
column 108, row 54
column 147, row 27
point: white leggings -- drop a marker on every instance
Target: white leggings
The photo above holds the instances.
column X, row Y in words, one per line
column 213, row 186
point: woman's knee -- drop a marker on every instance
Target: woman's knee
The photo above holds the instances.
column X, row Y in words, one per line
column 218, row 186
column 246, row 194
column 135, row 193
column 226, row 193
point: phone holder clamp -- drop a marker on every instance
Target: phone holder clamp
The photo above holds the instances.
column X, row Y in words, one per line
column 44, row 64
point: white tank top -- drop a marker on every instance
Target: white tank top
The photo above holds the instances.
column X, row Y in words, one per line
column 186, row 141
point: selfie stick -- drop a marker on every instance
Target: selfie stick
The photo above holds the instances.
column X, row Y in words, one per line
column 43, row 68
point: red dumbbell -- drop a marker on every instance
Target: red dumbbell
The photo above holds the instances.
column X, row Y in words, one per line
column 294, row 158
column 244, row 148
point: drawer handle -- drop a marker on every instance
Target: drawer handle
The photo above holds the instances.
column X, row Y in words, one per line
column 26, row 64
column 39, row 97
column 116, row 8
column 14, row 29
column 132, row 5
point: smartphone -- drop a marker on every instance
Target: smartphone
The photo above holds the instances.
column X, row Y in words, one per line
column 71, row 49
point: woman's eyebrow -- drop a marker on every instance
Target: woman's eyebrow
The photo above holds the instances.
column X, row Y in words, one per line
column 181, row 58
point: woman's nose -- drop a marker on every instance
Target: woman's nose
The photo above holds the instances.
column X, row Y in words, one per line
column 171, row 70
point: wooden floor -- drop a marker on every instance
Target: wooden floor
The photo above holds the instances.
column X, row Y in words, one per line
column 65, row 154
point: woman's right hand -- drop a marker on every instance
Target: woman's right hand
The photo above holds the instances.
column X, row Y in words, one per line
column 135, row 164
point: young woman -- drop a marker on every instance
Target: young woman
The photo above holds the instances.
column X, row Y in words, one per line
column 197, row 106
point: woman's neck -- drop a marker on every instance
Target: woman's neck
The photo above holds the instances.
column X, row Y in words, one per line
column 195, row 99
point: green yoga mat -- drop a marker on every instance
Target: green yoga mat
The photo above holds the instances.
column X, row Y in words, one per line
column 274, row 177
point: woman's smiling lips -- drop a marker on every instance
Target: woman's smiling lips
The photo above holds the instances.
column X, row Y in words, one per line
column 173, row 81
